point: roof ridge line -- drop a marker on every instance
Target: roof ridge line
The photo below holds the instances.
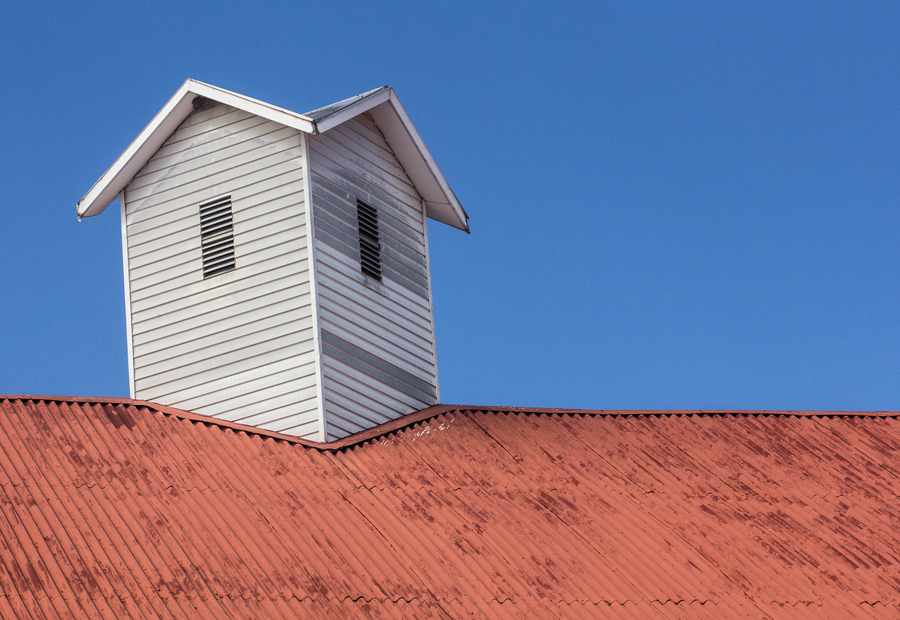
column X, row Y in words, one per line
column 428, row 413
column 332, row 446
column 806, row 413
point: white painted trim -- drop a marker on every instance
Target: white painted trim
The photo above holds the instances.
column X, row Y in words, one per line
column 253, row 106
column 353, row 111
column 137, row 154
column 313, row 285
column 440, row 201
column 437, row 380
column 127, row 275
column 166, row 121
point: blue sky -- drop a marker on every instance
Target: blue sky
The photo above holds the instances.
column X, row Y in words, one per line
column 673, row 205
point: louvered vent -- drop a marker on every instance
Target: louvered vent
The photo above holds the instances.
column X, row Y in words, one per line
column 369, row 241
column 217, row 236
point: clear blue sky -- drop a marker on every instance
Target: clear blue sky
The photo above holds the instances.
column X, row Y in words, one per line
column 673, row 205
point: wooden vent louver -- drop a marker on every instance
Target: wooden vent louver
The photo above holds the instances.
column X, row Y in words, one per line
column 217, row 236
column 369, row 240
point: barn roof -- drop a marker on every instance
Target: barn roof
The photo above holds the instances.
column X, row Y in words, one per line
column 114, row 508
column 382, row 103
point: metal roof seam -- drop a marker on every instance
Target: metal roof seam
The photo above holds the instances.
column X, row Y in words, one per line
column 236, row 465
column 373, row 524
column 535, row 501
column 83, row 508
column 687, row 543
column 28, row 561
column 40, row 546
column 98, row 506
column 586, row 540
column 92, row 574
column 512, row 580
column 205, row 498
column 493, row 549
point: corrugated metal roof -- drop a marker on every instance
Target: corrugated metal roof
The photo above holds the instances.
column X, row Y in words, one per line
column 118, row 508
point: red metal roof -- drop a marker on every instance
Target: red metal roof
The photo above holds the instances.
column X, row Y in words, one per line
column 123, row 509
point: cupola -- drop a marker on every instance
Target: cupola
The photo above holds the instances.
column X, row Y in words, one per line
column 276, row 264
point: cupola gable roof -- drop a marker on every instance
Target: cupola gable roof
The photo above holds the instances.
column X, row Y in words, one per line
column 382, row 104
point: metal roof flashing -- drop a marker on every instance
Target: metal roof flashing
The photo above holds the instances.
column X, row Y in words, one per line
column 441, row 203
column 323, row 117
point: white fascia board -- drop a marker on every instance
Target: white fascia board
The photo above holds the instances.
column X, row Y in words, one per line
column 163, row 125
column 254, row 106
column 354, row 110
column 440, row 201
column 138, row 153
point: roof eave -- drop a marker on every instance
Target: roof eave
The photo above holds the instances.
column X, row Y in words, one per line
column 441, row 203
column 342, row 114
column 166, row 121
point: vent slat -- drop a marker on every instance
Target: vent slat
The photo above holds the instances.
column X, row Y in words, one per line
column 220, row 259
column 217, row 214
column 369, row 240
column 224, row 245
column 216, row 266
column 217, row 236
column 215, row 272
column 224, row 254
column 221, row 227
column 214, row 218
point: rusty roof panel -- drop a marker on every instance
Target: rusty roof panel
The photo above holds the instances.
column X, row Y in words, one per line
column 123, row 509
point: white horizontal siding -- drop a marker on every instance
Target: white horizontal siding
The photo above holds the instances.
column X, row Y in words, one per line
column 308, row 429
column 180, row 246
column 239, row 345
column 176, row 378
column 218, row 346
column 241, row 311
column 270, row 273
column 387, row 326
column 184, row 283
column 347, row 325
column 228, row 387
column 340, row 309
column 174, row 231
column 264, row 315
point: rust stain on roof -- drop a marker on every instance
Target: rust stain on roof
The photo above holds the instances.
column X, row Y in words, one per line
column 112, row 508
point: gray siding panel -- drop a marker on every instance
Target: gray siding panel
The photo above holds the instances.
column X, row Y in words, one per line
column 375, row 367
column 356, row 401
column 240, row 345
column 377, row 337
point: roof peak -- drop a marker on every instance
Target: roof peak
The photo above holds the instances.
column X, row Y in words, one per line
column 324, row 112
column 441, row 203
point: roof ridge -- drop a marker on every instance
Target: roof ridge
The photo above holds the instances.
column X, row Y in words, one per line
column 325, row 111
column 432, row 412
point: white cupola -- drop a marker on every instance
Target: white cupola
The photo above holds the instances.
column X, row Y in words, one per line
column 276, row 264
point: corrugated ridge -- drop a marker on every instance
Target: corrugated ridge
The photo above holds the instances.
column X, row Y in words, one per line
column 436, row 410
column 119, row 508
